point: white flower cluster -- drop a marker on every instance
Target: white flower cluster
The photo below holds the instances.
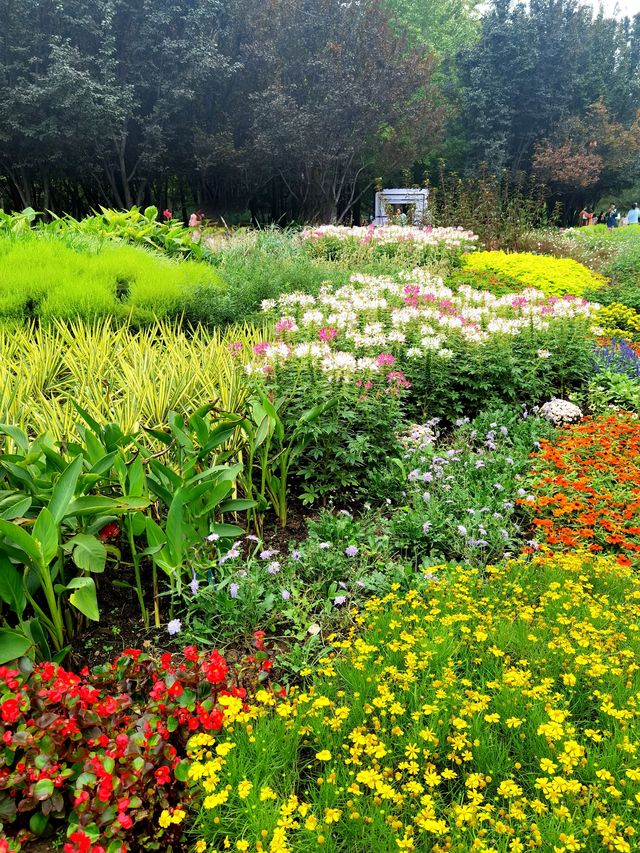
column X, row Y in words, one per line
column 417, row 436
column 451, row 238
column 352, row 327
column 560, row 412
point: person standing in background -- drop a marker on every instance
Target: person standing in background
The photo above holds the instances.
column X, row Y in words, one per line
column 633, row 217
column 612, row 216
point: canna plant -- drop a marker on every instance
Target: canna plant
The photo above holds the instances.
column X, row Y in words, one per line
column 49, row 542
column 196, row 489
column 271, row 450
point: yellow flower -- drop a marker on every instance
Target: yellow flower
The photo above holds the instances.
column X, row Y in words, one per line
column 323, row 755
column 332, row 815
column 242, row 845
column 513, row 722
column 244, row 789
column 267, row 793
column 201, row 846
column 165, row 819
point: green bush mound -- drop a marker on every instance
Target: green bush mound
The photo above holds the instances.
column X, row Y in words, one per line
column 52, row 278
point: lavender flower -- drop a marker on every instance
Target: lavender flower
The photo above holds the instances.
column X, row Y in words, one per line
column 351, row 551
column 233, row 590
column 339, row 599
column 286, row 595
column 195, row 584
column 324, row 545
column 295, row 554
column 213, row 537
column 274, row 567
column 462, row 530
column 266, row 555
column 174, row 627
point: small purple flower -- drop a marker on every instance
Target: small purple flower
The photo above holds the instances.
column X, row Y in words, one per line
column 504, row 430
column 427, row 477
column 426, row 527
column 174, row 627
column 251, row 537
column 286, row 595
column 195, row 584
column 351, row 551
column 339, row 599
column 274, row 567
column 266, row 555
column 233, row 590
column 213, row 537
column 426, row 497
column 324, row 545
column 479, row 463
column 295, row 554
column 462, row 530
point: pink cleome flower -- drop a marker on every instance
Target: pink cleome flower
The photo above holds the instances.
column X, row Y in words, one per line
column 327, row 333
column 385, row 359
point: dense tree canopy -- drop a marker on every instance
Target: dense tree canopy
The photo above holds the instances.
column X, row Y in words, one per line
column 292, row 108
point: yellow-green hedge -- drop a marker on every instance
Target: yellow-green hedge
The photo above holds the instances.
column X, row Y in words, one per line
column 554, row 276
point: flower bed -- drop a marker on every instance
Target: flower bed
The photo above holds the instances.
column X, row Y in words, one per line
column 451, row 350
column 99, row 753
column 456, row 717
column 553, row 276
column 451, row 238
column 343, row 329
column 586, row 488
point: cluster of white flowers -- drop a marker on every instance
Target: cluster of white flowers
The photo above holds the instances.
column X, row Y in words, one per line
column 364, row 324
column 417, row 436
column 560, row 412
column 451, row 238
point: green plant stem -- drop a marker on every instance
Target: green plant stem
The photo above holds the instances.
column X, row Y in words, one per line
column 136, row 571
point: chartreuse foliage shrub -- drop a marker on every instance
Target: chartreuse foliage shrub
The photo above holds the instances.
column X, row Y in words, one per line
column 483, row 711
column 52, row 278
column 554, row 276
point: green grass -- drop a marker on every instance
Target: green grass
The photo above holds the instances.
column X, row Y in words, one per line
column 50, row 277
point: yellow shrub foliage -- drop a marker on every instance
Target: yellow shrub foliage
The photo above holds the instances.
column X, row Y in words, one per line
column 554, row 276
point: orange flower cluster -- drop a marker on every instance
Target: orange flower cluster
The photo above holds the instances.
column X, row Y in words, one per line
column 586, row 488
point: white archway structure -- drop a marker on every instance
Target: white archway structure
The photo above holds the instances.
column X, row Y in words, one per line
column 396, row 197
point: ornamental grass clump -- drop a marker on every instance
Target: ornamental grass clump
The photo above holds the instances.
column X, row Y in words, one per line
column 553, row 276
column 486, row 711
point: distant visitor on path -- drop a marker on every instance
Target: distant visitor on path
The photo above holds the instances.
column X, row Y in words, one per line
column 612, row 216
column 586, row 216
column 633, row 217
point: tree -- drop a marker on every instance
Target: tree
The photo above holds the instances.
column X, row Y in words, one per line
column 534, row 69
column 326, row 94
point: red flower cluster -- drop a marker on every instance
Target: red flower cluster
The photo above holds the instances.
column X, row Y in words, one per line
column 587, row 488
column 108, row 749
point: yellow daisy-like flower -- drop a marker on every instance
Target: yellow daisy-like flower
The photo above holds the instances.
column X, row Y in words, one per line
column 323, row 755
column 244, row 789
